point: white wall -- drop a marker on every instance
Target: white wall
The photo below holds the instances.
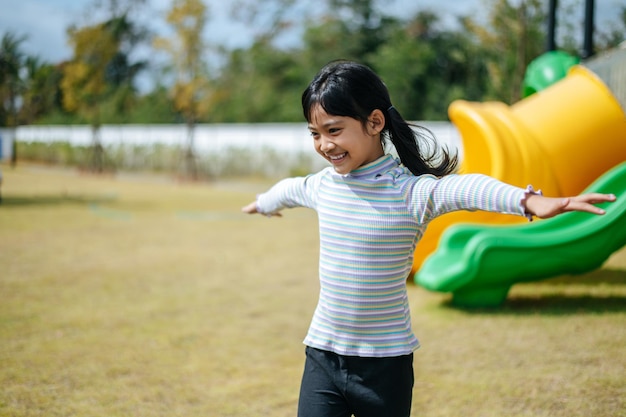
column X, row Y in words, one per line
column 287, row 137
column 5, row 144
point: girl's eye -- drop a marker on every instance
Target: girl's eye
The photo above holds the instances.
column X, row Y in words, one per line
column 334, row 131
column 315, row 135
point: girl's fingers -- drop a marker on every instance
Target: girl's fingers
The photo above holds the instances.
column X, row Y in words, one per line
column 588, row 207
column 250, row 208
column 595, row 198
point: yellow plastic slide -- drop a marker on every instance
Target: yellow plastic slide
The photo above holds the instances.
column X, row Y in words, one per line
column 559, row 140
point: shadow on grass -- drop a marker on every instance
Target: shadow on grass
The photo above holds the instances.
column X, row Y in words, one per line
column 564, row 304
column 558, row 302
column 594, row 278
column 47, row 200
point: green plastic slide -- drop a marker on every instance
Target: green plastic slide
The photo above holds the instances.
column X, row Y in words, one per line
column 479, row 263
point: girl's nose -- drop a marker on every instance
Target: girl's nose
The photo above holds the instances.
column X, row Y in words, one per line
column 326, row 144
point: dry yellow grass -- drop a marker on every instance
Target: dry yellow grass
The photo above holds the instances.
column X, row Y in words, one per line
column 143, row 297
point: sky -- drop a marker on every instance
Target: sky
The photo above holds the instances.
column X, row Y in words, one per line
column 44, row 22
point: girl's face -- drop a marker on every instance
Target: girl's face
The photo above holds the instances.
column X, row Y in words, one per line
column 344, row 141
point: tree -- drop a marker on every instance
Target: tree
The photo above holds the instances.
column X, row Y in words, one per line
column 84, row 81
column 191, row 89
column 42, row 93
column 121, row 72
column 614, row 33
column 154, row 107
column 426, row 68
column 11, row 84
column 328, row 40
column 364, row 23
column 512, row 38
column 99, row 75
column 259, row 84
column 404, row 64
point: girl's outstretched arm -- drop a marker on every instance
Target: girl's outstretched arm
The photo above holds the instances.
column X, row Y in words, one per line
column 287, row 193
column 546, row 207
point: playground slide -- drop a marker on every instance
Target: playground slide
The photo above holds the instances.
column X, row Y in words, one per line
column 559, row 140
column 479, row 263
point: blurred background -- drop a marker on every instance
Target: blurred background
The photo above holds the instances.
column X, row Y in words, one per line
column 189, row 63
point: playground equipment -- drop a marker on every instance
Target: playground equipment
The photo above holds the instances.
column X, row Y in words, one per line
column 479, row 264
column 547, row 69
column 560, row 140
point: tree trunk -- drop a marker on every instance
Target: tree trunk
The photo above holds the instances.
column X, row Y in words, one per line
column 96, row 163
column 13, row 140
column 190, row 168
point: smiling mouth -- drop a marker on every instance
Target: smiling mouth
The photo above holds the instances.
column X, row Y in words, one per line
column 337, row 158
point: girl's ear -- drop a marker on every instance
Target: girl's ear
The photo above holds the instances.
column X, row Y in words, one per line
column 375, row 122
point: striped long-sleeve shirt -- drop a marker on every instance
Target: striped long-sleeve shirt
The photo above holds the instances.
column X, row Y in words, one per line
column 370, row 221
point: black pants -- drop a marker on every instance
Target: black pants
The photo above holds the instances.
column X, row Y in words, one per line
column 341, row 386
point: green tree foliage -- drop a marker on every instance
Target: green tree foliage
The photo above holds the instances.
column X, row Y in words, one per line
column 42, row 94
column 264, row 82
column 84, row 82
column 11, row 83
column 84, row 77
column 425, row 64
column 29, row 88
column 97, row 82
column 364, row 24
column 426, row 68
column 187, row 49
column 191, row 90
column 245, row 93
column 100, row 69
column 154, row 107
column 513, row 37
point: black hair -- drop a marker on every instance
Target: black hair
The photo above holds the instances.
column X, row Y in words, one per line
column 349, row 89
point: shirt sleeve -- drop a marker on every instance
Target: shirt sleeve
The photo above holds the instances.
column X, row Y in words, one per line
column 290, row 193
column 431, row 197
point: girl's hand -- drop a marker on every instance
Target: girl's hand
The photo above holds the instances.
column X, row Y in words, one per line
column 546, row 207
column 251, row 209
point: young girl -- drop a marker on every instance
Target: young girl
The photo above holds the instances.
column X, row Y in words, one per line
column 372, row 211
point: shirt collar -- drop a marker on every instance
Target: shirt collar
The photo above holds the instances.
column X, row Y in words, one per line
column 380, row 165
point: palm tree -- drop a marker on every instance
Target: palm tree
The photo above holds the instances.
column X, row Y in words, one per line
column 11, row 84
column 41, row 90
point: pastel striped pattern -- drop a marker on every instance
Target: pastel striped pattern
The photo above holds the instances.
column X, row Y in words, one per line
column 369, row 223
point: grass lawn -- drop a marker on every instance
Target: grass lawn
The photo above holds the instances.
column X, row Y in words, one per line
column 139, row 296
